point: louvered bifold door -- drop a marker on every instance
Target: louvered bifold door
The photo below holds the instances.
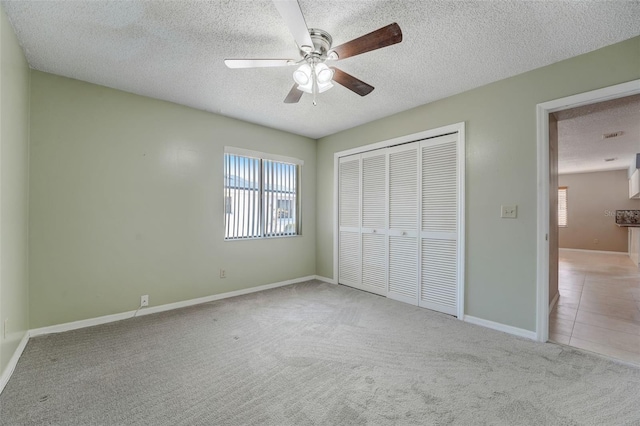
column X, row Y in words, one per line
column 349, row 251
column 403, row 223
column 374, row 222
column 439, row 224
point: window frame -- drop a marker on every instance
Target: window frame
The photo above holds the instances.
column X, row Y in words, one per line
column 262, row 213
column 564, row 189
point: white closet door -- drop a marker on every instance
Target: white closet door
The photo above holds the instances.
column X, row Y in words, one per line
column 400, row 225
column 374, row 222
column 403, row 223
column 350, row 258
column 439, row 224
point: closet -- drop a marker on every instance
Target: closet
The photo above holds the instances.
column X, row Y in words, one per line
column 399, row 217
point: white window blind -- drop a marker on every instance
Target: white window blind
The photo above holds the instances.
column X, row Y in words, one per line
column 562, row 206
column 261, row 195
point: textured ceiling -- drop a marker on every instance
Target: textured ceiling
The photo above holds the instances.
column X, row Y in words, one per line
column 581, row 146
column 175, row 50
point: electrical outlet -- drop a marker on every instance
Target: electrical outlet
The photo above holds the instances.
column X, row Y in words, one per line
column 596, row 241
column 144, row 300
column 223, row 273
column 509, row 212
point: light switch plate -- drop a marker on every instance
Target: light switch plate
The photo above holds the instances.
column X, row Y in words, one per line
column 509, row 212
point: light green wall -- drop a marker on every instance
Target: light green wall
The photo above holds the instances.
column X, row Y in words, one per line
column 126, row 199
column 501, row 169
column 14, row 174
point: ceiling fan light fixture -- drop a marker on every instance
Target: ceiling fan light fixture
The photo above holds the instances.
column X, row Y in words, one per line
column 324, row 73
column 302, row 75
column 305, row 75
column 315, row 45
column 322, row 87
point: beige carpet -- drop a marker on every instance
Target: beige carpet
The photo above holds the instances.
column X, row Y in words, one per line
column 307, row 354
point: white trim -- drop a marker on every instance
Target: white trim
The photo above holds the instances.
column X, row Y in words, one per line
column 458, row 128
column 90, row 322
column 501, row 327
column 325, row 279
column 421, row 237
column 199, row 300
column 462, row 167
column 414, row 137
column 336, row 216
column 542, row 243
column 614, row 169
column 263, row 155
column 59, row 328
column 542, row 138
column 11, row 366
column 624, row 253
column 554, row 301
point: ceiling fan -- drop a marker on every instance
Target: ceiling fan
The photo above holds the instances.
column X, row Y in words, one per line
column 313, row 75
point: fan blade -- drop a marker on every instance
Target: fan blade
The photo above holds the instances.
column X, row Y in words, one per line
column 350, row 82
column 294, row 95
column 258, row 63
column 383, row 37
column 292, row 15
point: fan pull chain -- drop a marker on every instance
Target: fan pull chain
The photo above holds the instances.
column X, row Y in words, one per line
column 315, row 82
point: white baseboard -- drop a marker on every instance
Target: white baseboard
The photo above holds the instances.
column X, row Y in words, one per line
column 501, row 327
column 199, row 300
column 554, row 301
column 59, row 328
column 90, row 322
column 325, row 279
column 8, row 370
column 595, row 251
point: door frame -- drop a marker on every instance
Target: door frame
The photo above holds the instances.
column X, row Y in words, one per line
column 542, row 116
column 458, row 128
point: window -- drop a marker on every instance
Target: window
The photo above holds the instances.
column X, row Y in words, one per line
column 562, row 206
column 261, row 195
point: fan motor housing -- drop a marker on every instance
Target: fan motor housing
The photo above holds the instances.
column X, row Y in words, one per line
column 321, row 41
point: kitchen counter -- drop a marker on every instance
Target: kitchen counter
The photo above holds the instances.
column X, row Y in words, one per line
column 628, row 217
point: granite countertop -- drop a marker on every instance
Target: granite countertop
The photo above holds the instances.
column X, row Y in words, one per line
column 628, row 217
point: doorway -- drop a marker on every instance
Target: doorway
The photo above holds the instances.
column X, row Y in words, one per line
column 547, row 198
column 596, row 306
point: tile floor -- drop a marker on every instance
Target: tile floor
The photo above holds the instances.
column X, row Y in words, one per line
column 599, row 304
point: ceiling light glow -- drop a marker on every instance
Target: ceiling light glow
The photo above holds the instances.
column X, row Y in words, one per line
column 305, row 75
column 324, row 73
column 302, row 75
